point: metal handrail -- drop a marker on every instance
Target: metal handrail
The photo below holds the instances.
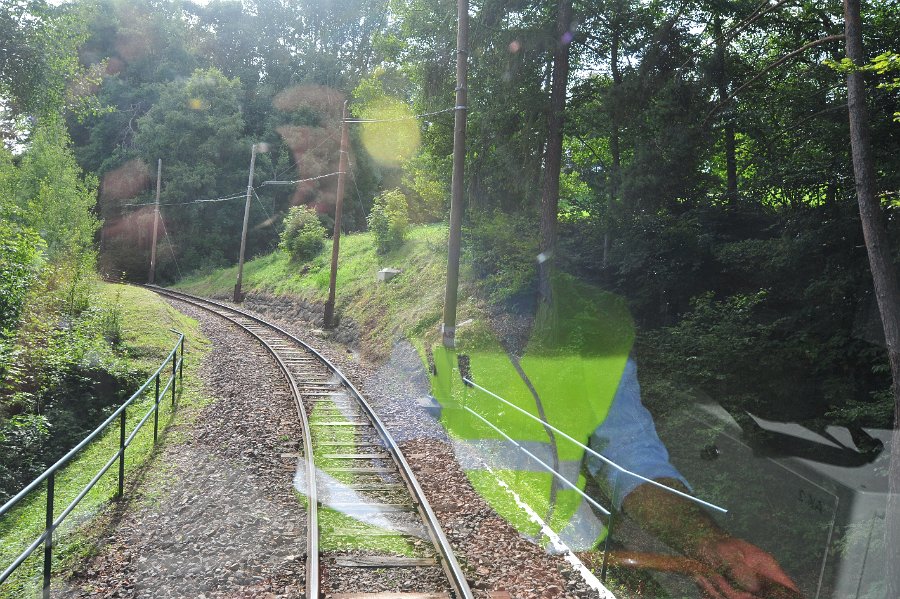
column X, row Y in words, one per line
column 176, row 358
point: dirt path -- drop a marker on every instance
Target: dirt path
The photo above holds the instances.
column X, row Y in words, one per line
column 216, row 515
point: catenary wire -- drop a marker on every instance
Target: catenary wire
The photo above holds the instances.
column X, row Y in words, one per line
column 263, row 206
column 405, row 118
column 206, row 201
column 171, row 248
column 264, row 183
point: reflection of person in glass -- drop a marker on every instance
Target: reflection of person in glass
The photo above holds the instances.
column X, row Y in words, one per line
column 574, row 372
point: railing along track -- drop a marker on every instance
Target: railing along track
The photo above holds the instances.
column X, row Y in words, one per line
column 283, row 347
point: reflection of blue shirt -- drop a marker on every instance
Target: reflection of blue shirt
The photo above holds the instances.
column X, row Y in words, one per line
column 628, row 438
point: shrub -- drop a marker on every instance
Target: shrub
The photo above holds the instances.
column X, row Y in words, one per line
column 19, row 266
column 389, row 220
column 303, row 236
column 22, row 440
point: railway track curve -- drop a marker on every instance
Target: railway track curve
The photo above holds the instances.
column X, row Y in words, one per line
column 361, row 475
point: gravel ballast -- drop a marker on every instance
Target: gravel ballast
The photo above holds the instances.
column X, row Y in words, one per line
column 497, row 558
column 227, row 522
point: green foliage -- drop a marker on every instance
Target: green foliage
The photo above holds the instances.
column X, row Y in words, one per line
column 430, row 201
column 389, row 220
column 40, row 73
column 886, row 63
column 303, row 236
column 197, row 128
column 783, row 325
column 503, row 252
column 22, row 441
column 59, row 368
column 20, row 263
column 53, row 196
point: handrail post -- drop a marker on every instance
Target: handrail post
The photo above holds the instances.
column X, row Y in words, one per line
column 156, row 410
column 181, row 367
column 122, row 455
column 174, row 366
column 48, row 539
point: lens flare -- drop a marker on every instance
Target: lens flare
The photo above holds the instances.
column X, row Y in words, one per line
column 395, row 137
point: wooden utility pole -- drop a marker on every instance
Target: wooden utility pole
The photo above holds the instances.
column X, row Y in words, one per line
column 152, row 277
column 448, row 329
column 884, row 275
column 338, row 210
column 238, row 296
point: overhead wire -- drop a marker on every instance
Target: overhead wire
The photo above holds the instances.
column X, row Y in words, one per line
column 221, row 199
column 261, row 205
column 264, row 183
column 405, row 118
column 171, row 248
column 298, row 160
column 353, row 178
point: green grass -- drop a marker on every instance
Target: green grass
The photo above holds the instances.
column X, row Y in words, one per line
column 409, row 305
column 145, row 323
column 331, row 520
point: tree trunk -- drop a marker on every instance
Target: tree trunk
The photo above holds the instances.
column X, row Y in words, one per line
column 615, row 173
column 721, row 71
column 887, row 289
column 553, row 155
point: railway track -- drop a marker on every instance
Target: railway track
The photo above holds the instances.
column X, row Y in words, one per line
column 365, row 509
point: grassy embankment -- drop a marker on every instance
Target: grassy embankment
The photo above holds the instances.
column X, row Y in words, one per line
column 145, row 322
column 408, row 306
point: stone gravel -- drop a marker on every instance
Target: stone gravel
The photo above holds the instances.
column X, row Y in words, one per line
column 496, row 557
column 225, row 521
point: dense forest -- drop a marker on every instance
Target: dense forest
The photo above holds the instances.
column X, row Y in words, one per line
column 705, row 173
column 703, row 149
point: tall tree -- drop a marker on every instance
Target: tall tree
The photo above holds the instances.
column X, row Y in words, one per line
column 721, row 74
column 39, row 69
column 884, row 275
column 553, row 154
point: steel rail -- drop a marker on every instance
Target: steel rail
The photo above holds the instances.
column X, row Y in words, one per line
column 448, row 560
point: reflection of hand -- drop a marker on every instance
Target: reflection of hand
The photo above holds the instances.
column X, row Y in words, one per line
column 751, row 572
